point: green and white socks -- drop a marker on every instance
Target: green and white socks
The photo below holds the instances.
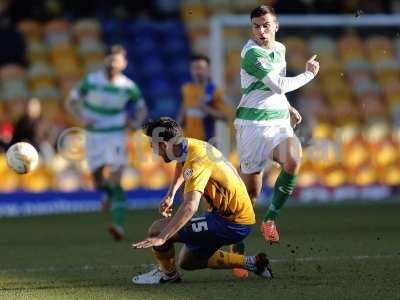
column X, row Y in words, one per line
column 117, row 196
column 284, row 186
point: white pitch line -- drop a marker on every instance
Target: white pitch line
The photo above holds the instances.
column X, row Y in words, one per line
column 316, row 258
column 87, row 268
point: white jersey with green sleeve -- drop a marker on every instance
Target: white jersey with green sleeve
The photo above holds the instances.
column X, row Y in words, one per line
column 104, row 103
column 259, row 104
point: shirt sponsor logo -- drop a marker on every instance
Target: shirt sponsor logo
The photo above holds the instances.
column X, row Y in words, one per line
column 261, row 63
column 187, row 173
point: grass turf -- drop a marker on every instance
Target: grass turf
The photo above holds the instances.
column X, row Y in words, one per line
column 326, row 252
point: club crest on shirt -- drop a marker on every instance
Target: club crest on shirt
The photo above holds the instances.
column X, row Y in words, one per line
column 187, row 173
column 261, row 63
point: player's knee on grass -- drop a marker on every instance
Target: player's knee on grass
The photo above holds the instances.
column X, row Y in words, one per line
column 190, row 264
column 190, row 261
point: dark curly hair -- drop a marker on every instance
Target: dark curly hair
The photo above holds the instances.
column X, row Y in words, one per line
column 167, row 128
column 261, row 11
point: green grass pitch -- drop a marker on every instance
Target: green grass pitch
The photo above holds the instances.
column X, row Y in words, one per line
column 326, row 252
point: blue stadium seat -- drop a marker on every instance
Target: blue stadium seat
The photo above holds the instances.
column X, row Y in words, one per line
column 143, row 46
column 151, row 67
column 175, row 47
column 165, row 107
column 171, row 28
column 158, row 55
column 139, row 27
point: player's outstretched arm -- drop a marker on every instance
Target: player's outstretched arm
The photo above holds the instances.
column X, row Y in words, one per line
column 281, row 85
column 167, row 201
column 185, row 212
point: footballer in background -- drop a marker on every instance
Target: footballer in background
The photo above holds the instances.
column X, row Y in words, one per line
column 107, row 102
column 202, row 102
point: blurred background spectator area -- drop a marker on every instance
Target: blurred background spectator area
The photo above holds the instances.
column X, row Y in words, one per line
column 351, row 113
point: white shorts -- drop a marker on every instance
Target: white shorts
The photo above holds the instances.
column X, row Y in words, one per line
column 106, row 149
column 255, row 145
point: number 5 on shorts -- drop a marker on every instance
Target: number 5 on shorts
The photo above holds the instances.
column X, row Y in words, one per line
column 200, row 226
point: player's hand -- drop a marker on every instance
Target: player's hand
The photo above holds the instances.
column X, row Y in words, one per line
column 149, row 242
column 312, row 65
column 295, row 117
column 166, row 206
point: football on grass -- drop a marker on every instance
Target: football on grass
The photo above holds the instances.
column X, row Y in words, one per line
column 22, row 157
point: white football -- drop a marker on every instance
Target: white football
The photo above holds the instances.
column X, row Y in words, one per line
column 22, row 157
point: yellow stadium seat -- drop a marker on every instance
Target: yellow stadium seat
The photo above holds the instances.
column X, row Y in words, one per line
column 376, row 132
column 36, row 181
column 364, row 176
column 355, row 154
column 324, row 154
column 334, row 176
column 4, row 168
column 9, row 181
column 307, row 176
column 295, row 44
column 323, row 130
column 350, row 47
column 348, row 132
column 385, row 154
column 68, row 181
column 390, row 175
column 193, row 11
column 130, row 179
column 154, row 179
column 169, row 169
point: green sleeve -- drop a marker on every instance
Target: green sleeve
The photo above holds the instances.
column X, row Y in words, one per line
column 83, row 86
column 134, row 94
column 257, row 63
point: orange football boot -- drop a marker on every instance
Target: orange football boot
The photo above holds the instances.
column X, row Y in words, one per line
column 240, row 273
column 117, row 232
column 269, row 231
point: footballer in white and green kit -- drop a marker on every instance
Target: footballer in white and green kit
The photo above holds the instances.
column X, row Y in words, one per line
column 264, row 117
column 104, row 101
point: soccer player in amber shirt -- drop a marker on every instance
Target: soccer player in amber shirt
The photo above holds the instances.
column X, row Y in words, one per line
column 206, row 176
column 202, row 103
